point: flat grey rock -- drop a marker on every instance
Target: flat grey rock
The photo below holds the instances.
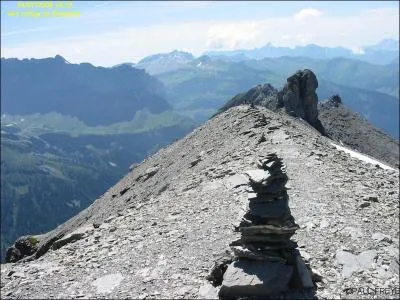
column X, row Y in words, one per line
column 72, row 237
column 150, row 172
column 237, row 180
column 258, row 176
column 353, row 263
column 107, row 283
column 207, row 291
column 255, row 279
column 380, row 237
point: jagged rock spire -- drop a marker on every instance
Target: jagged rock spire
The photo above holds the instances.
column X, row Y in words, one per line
column 299, row 97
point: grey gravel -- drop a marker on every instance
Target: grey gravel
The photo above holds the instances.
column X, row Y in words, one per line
column 165, row 243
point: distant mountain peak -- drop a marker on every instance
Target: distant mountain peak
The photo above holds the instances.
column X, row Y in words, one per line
column 59, row 58
column 204, row 58
column 175, row 54
column 385, row 45
column 164, row 62
column 382, row 53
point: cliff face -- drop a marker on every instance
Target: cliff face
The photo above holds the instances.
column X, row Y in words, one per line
column 159, row 231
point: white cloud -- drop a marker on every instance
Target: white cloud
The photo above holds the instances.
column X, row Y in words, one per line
column 111, row 48
column 383, row 12
column 25, row 31
column 307, row 13
column 129, row 44
column 231, row 35
column 304, row 38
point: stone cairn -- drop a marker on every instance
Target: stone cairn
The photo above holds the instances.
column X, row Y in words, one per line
column 266, row 262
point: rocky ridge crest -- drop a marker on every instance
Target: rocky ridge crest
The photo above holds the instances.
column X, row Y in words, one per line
column 332, row 118
column 159, row 231
column 298, row 98
column 349, row 128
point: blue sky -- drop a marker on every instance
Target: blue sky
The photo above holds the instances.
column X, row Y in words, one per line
column 111, row 32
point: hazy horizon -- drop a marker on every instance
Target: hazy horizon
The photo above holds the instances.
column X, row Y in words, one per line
column 107, row 33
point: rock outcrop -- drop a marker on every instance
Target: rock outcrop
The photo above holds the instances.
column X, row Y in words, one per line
column 264, row 95
column 266, row 262
column 299, row 97
column 334, row 100
column 23, row 247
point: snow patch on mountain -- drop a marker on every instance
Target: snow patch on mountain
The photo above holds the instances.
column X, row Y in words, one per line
column 362, row 157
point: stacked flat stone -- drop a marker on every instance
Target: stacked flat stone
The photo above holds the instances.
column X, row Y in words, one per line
column 266, row 260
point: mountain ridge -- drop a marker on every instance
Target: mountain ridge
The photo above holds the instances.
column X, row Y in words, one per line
column 298, row 98
column 80, row 90
column 198, row 91
column 165, row 228
column 71, row 132
column 344, row 126
column 159, row 63
column 166, row 223
column 50, row 175
column 381, row 53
